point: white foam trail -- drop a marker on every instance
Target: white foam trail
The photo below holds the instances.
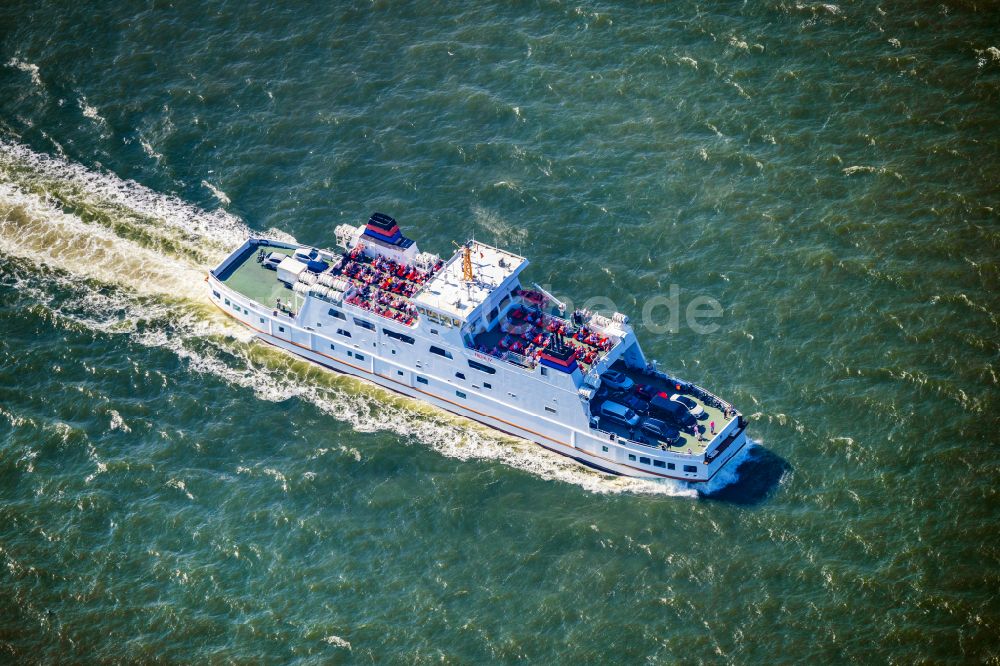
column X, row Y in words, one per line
column 166, row 291
column 218, row 229
column 35, row 229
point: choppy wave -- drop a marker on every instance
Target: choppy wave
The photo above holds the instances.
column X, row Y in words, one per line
column 28, row 68
column 90, row 111
column 217, row 193
column 79, row 228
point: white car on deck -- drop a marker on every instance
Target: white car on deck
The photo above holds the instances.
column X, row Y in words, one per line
column 693, row 407
column 617, row 380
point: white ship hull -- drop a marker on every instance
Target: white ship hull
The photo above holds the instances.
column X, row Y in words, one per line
column 568, row 430
column 434, row 357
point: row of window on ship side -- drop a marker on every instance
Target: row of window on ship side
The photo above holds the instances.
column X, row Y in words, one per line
column 395, row 335
column 439, row 351
column 643, row 460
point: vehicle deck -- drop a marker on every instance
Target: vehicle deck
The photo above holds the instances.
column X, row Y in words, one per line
column 689, row 442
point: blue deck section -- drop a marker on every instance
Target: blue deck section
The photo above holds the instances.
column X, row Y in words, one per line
column 568, row 369
column 397, row 239
column 392, row 240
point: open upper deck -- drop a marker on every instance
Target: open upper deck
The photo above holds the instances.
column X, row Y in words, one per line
column 377, row 284
column 248, row 277
column 450, row 293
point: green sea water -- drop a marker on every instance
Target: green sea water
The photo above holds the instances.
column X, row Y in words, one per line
column 172, row 491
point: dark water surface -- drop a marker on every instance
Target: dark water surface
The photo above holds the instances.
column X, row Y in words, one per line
column 172, row 491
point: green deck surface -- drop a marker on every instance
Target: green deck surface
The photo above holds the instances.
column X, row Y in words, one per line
column 258, row 283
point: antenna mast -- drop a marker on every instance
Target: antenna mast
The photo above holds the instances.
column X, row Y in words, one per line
column 466, row 261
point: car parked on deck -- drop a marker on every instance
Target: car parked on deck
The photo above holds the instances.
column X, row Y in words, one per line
column 635, row 403
column 617, row 380
column 619, row 413
column 660, row 430
column 644, row 391
column 693, row 407
column 672, row 412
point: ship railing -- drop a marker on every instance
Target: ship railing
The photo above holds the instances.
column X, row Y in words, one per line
column 528, row 305
column 611, row 436
column 670, row 449
column 707, row 397
column 599, row 322
column 615, row 437
column 712, row 454
column 659, row 447
column 518, row 359
column 595, row 322
column 347, row 305
column 335, row 298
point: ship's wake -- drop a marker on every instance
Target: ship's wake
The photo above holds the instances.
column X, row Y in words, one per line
column 126, row 260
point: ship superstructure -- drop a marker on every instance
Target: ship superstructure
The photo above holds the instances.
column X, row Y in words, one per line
column 466, row 336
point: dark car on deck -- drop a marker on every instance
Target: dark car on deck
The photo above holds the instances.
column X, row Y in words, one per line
column 638, row 405
column 672, row 412
column 617, row 380
column 660, row 431
column 644, row 391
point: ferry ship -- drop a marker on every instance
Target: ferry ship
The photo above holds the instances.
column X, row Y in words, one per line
column 465, row 335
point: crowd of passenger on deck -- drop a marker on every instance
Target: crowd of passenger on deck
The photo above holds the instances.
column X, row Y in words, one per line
column 384, row 285
column 384, row 273
column 528, row 332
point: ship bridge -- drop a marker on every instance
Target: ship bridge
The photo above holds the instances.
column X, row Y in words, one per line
column 451, row 294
